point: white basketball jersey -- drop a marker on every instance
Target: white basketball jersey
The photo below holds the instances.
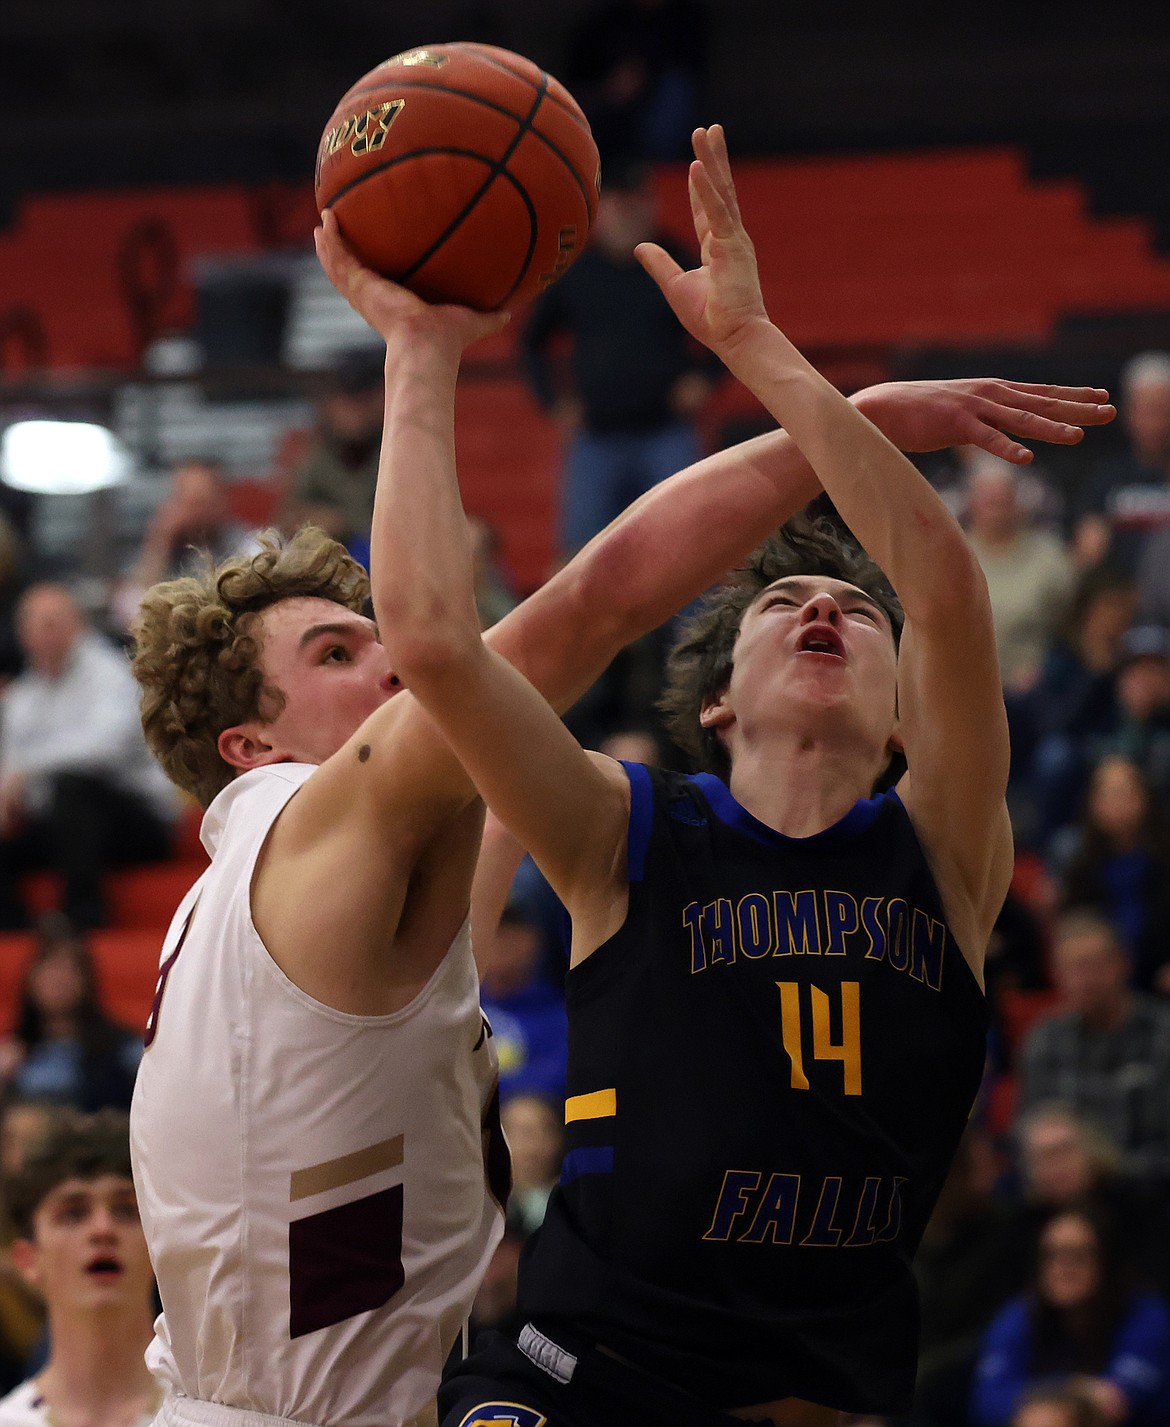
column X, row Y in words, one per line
column 25, row 1407
column 312, row 1184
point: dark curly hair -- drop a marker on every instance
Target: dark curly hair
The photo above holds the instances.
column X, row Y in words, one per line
column 699, row 666
column 73, row 1146
column 197, row 657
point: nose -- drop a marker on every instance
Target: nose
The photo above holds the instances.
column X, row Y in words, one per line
column 821, row 609
column 389, row 682
column 102, row 1224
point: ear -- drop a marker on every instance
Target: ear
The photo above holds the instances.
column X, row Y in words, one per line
column 717, row 713
column 26, row 1259
column 244, row 747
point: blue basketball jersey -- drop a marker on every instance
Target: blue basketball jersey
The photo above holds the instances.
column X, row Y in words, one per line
column 770, row 1067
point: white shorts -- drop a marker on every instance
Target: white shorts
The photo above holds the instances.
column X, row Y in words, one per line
column 194, row 1412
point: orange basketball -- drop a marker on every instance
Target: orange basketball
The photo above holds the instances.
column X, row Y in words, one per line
column 462, row 171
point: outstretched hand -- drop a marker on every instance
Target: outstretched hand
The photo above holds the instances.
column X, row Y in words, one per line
column 984, row 412
column 389, row 308
column 721, row 299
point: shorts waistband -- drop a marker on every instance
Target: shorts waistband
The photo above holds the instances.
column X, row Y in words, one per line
column 179, row 1411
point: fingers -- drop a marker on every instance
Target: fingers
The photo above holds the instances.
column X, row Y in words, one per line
column 723, row 222
column 710, row 146
column 698, row 213
column 342, row 268
column 1089, row 394
column 999, row 444
column 658, row 263
column 1086, row 406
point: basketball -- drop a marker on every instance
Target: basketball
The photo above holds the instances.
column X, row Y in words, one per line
column 462, row 171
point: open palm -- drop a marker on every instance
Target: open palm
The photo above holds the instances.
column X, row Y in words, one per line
column 718, row 300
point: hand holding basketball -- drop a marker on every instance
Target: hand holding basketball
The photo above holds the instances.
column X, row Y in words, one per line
column 719, row 300
column 386, row 306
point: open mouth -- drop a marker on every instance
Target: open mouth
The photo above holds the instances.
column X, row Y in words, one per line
column 821, row 639
column 104, row 1269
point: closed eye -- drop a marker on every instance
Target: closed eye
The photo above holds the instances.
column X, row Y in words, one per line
column 786, row 600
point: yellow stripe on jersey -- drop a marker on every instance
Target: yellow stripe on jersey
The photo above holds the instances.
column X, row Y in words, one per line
column 347, row 1169
column 594, row 1106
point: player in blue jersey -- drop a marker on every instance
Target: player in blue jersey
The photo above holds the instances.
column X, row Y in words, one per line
column 776, row 1021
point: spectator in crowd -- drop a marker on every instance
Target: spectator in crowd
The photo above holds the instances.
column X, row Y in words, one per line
column 23, row 1124
column 637, row 68
column 194, row 520
column 80, row 1244
column 1029, row 574
column 1105, row 1050
column 972, row 1257
column 1083, row 1324
column 1076, row 692
column 1067, row 1162
column 1128, row 497
column 1075, row 698
column 23, row 1120
column 493, row 595
column 333, row 484
column 1058, row 1407
column 1139, row 729
column 66, row 1048
column 78, row 789
column 11, row 572
column 637, row 381
column 534, row 1126
column 526, row 1012
column 1118, row 864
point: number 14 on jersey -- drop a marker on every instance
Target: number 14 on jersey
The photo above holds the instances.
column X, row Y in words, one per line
column 847, row 1050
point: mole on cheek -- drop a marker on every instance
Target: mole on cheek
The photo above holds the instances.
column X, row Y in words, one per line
column 363, row 752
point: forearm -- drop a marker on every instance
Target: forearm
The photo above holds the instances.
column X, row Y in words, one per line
column 686, row 533
column 420, row 554
column 879, row 494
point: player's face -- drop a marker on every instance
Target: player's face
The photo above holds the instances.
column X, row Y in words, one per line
column 332, row 670
column 816, row 653
column 88, row 1250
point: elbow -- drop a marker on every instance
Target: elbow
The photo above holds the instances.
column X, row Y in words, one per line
column 426, row 639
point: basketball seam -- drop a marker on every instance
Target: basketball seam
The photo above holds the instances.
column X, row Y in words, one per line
column 582, row 183
column 499, row 167
column 463, row 154
column 574, row 113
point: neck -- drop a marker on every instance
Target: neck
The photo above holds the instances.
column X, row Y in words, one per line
column 96, row 1374
column 800, row 785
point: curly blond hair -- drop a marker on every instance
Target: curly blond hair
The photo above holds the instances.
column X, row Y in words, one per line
column 197, row 657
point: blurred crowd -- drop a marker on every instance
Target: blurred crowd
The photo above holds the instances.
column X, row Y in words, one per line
column 1046, row 1270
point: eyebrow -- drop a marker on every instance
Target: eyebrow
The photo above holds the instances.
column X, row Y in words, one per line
column 804, row 582
column 341, row 626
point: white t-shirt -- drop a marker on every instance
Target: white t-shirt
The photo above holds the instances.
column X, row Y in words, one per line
column 312, row 1183
column 25, row 1407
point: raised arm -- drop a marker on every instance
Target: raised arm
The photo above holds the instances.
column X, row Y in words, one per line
column 950, row 699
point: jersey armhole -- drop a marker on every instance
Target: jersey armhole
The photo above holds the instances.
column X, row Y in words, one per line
column 641, row 819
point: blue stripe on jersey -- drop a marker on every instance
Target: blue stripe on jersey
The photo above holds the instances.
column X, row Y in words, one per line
column 860, row 816
column 641, row 818
column 588, row 1159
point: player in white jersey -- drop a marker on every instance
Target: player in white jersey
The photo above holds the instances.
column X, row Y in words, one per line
column 318, row 1076
column 79, row 1243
